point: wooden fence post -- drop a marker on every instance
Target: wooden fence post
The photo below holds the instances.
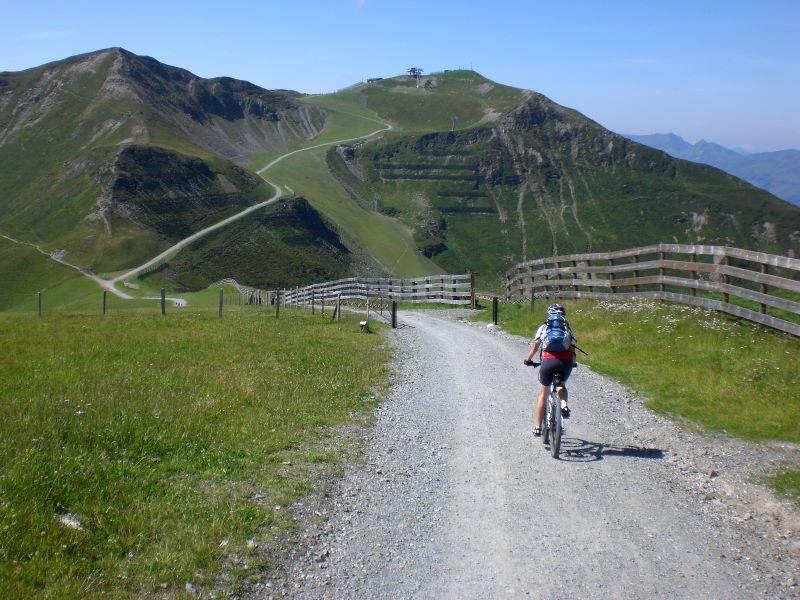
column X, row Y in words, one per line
column 277, row 304
column 163, row 302
column 39, row 302
column 636, row 272
column 494, row 310
column 557, row 279
column 472, row 299
column 693, row 291
column 104, row 301
column 221, row 301
column 575, row 275
column 394, row 314
column 726, row 279
column 611, row 277
column 762, row 308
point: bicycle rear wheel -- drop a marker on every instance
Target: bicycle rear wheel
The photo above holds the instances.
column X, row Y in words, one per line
column 546, row 429
column 555, row 433
column 547, row 424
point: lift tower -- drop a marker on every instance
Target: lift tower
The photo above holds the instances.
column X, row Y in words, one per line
column 415, row 72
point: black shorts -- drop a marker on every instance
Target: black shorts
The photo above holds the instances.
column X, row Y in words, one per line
column 554, row 365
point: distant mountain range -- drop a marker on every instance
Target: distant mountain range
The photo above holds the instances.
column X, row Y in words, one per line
column 777, row 172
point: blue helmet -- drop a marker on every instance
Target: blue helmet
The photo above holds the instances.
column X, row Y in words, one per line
column 556, row 309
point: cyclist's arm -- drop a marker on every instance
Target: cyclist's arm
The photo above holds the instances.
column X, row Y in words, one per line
column 574, row 349
column 532, row 352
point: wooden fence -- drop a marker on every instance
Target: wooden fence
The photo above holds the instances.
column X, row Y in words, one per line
column 731, row 280
column 441, row 289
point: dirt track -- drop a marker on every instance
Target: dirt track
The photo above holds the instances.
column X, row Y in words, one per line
column 455, row 498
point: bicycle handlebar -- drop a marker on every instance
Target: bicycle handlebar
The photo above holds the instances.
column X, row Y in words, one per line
column 530, row 363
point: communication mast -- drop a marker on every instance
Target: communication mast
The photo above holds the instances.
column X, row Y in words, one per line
column 415, row 72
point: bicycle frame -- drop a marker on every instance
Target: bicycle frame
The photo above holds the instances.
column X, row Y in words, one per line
column 553, row 425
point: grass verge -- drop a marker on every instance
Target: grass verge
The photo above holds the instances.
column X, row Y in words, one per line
column 720, row 374
column 787, row 484
column 139, row 453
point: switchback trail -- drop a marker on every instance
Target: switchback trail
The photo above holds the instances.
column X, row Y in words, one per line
column 110, row 284
column 455, row 498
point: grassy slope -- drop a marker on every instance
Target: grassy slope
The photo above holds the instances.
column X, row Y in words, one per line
column 391, row 242
column 388, row 244
column 694, row 365
column 690, row 362
column 285, row 244
column 465, row 95
column 22, row 269
column 97, row 432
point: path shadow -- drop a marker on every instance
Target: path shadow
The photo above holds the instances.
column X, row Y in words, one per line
column 578, row 450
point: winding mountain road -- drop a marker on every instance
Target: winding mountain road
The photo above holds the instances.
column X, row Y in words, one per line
column 110, row 284
column 456, row 499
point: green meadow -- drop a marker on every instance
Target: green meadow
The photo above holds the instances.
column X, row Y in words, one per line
column 141, row 452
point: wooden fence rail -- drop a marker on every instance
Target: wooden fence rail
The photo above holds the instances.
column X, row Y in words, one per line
column 722, row 278
column 441, row 289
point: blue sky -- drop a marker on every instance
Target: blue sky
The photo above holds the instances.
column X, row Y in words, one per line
column 724, row 71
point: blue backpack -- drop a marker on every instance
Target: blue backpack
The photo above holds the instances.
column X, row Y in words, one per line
column 558, row 335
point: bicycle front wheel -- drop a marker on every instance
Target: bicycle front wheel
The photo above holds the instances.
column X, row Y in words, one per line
column 555, row 433
column 547, row 423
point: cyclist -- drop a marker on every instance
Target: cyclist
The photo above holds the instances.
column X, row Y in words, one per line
column 551, row 362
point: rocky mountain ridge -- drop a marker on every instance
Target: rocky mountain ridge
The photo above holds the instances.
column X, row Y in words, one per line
column 110, row 150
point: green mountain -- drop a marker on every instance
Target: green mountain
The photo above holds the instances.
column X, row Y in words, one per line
column 109, row 158
column 488, row 176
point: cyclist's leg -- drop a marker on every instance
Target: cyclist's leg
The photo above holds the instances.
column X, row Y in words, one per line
column 545, row 379
column 537, row 424
column 565, row 368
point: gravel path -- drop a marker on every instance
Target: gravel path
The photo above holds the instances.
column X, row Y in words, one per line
column 456, row 499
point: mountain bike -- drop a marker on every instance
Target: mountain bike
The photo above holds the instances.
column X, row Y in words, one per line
column 553, row 423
